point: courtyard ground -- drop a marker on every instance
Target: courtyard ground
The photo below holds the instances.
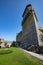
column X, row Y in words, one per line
column 15, row 56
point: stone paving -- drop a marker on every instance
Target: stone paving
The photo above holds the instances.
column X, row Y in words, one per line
column 39, row 56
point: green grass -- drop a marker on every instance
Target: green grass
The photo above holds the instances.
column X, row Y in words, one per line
column 5, row 51
column 18, row 57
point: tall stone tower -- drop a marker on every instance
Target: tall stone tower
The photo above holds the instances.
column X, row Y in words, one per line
column 30, row 32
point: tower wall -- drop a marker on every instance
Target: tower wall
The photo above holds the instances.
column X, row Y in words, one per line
column 29, row 32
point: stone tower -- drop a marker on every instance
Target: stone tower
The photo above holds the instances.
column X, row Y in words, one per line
column 30, row 32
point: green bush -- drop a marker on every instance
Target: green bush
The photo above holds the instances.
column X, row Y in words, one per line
column 41, row 30
column 42, row 39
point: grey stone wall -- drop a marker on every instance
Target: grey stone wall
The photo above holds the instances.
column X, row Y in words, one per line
column 29, row 33
column 19, row 37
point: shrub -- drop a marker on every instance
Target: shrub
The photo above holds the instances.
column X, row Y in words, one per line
column 41, row 30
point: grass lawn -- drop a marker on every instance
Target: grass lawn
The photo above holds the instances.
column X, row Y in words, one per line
column 17, row 57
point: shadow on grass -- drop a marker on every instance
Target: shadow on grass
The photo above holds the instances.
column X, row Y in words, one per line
column 7, row 51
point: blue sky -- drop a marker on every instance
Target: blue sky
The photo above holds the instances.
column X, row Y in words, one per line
column 11, row 16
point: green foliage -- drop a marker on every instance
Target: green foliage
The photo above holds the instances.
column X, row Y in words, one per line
column 42, row 39
column 41, row 30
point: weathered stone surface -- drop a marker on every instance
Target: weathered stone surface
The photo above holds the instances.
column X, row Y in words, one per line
column 4, row 43
column 19, row 37
column 30, row 30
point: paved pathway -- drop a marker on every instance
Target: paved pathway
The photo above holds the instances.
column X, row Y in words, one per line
column 34, row 54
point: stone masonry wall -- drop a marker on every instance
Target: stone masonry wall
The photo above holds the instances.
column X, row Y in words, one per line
column 29, row 33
